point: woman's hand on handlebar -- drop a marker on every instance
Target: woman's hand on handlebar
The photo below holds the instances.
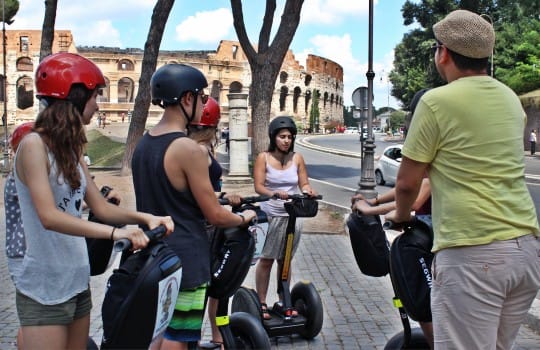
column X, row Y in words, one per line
column 135, row 235
column 280, row 194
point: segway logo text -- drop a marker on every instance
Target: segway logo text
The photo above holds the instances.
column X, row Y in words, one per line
column 427, row 272
column 222, row 265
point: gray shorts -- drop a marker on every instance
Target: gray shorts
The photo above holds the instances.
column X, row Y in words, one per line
column 32, row 313
column 275, row 237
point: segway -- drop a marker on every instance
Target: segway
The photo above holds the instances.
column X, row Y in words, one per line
column 377, row 258
column 410, row 273
column 141, row 294
column 233, row 251
column 303, row 297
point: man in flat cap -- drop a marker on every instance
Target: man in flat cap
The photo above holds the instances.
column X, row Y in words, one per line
column 468, row 136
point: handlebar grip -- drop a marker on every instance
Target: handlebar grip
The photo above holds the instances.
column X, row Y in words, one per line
column 154, row 235
column 305, row 196
column 246, row 200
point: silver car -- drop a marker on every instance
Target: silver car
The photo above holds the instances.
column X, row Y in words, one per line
column 388, row 165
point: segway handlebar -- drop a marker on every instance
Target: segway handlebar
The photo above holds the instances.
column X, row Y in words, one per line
column 246, row 200
column 305, row 196
column 391, row 225
column 124, row 244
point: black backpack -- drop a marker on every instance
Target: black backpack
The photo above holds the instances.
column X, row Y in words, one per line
column 410, row 269
column 369, row 244
column 140, row 297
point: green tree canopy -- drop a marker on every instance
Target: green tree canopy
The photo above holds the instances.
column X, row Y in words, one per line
column 516, row 54
column 11, row 7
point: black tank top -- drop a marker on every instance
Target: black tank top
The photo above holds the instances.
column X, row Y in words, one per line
column 156, row 195
column 215, row 171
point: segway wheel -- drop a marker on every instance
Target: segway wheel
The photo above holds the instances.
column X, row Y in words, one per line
column 417, row 341
column 246, row 300
column 248, row 332
column 307, row 301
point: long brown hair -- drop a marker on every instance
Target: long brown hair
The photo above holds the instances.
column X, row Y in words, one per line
column 61, row 128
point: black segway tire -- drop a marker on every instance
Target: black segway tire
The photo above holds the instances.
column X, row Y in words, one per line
column 246, row 300
column 248, row 332
column 417, row 341
column 307, row 301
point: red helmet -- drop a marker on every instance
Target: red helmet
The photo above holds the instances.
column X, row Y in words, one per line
column 211, row 114
column 58, row 72
column 19, row 133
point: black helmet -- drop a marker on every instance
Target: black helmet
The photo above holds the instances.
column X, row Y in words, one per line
column 277, row 124
column 170, row 82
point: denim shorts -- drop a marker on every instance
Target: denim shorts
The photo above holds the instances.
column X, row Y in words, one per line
column 32, row 313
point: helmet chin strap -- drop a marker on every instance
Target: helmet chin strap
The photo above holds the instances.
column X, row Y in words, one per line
column 189, row 119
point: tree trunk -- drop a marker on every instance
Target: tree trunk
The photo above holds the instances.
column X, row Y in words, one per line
column 47, row 32
column 266, row 62
column 142, row 100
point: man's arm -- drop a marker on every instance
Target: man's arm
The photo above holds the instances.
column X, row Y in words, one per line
column 408, row 184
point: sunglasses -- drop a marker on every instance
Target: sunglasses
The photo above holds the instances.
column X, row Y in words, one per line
column 204, row 97
column 435, row 46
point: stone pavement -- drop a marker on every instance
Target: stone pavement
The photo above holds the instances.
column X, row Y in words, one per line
column 358, row 311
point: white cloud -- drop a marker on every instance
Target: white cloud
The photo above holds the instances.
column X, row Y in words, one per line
column 91, row 22
column 329, row 12
column 206, row 27
column 102, row 32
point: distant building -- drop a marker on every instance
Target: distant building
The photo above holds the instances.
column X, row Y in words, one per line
column 226, row 69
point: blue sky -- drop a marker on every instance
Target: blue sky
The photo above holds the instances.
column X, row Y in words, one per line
column 335, row 29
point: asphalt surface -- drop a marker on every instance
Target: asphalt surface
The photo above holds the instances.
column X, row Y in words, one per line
column 358, row 310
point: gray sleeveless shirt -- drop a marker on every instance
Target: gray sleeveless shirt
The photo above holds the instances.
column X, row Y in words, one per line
column 55, row 267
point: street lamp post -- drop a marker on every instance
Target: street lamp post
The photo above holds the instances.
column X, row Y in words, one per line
column 4, row 90
column 367, row 178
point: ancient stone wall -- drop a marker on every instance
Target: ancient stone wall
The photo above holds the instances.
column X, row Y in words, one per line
column 226, row 68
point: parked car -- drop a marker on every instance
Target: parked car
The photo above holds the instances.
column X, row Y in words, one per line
column 388, row 165
column 351, row 130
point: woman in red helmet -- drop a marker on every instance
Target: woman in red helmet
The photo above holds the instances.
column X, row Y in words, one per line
column 204, row 132
column 52, row 293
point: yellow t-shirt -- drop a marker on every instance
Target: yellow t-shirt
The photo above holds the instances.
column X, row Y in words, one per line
column 470, row 131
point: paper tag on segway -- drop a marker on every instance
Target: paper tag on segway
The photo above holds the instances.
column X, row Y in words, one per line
column 168, row 293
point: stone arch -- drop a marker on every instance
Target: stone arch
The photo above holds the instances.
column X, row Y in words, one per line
column 25, row 92
column 325, row 99
column 331, row 100
column 284, row 91
column 307, row 100
column 215, row 90
column 25, row 64
column 235, row 87
column 283, row 76
column 296, row 94
column 126, row 88
column 105, row 92
column 308, row 79
column 125, row 65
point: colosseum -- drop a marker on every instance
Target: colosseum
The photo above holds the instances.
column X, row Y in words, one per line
column 226, row 69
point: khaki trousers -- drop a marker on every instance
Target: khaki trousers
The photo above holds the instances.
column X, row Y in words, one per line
column 481, row 294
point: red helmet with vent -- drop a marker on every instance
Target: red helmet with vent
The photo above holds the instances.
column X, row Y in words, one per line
column 58, row 72
column 211, row 114
column 19, row 133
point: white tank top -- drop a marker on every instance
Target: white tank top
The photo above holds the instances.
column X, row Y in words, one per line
column 55, row 267
column 280, row 180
